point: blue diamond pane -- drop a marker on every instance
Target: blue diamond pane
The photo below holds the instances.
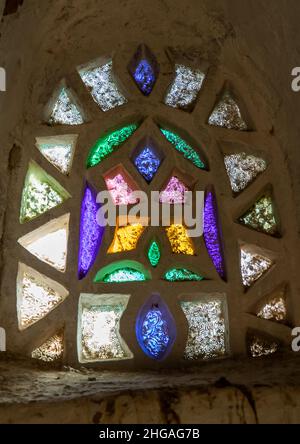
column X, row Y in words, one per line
column 144, row 69
column 144, row 77
column 147, row 163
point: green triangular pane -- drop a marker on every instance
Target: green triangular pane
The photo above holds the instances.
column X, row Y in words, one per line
column 261, row 216
column 182, row 274
column 41, row 192
column 154, row 254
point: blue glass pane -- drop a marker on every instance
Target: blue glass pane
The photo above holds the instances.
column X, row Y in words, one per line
column 147, row 163
column 144, row 77
column 155, row 333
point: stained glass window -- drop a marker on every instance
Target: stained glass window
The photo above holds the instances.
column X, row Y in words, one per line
column 139, row 152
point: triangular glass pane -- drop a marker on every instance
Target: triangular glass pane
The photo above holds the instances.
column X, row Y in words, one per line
column 98, row 77
column 253, row 264
column 261, row 346
column 242, row 169
column 154, row 253
column 121, row 186
column 227, row 114
column 174, row 192
column 99, row 337
column 273, row 308
column 144, row 69
column 52, row 350
column 185, row 87
column 49, row 243
column 58, row 150
column 65, row 111
column 261, row 216
column 41, row 192
column 37, row 296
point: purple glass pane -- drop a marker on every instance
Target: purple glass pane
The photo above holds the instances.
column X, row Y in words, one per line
column 91, row 233
column 211, row 233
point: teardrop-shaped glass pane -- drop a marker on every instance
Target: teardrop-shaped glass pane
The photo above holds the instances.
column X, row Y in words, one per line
column 155, row 328
column 154, row 254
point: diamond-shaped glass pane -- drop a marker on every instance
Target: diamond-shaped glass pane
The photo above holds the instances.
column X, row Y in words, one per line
column 144, row 69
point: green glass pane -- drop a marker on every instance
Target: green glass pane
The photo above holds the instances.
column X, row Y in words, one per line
column 261, row 216
column 107, row 144
column 154, row 254
column 41, row 192
column 183, row 147
column 181, row 274
column 123, row 275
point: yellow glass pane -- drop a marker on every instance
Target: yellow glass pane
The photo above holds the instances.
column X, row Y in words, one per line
column 126, row 237
column 179, row 240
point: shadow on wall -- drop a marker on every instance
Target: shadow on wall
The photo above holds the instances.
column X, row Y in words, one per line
column 12, row 6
